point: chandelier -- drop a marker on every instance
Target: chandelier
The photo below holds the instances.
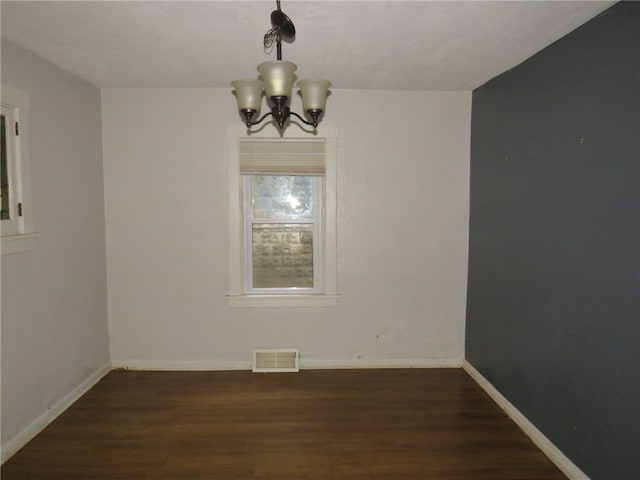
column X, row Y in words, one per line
column 277, row 82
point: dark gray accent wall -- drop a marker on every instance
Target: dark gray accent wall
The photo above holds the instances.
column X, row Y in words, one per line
column 553, row 309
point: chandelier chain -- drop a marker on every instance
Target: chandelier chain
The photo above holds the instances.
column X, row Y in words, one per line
column 273, row 35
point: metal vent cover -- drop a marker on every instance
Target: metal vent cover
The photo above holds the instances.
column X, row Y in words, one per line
column 276, row 360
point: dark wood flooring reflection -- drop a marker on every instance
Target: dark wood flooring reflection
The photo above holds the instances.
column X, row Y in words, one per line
column 316, row 424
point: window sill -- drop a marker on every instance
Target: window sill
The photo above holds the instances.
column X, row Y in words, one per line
column 271, row 301
column 18, row 243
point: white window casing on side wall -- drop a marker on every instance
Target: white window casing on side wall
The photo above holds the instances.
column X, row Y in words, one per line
column 17, row 231
column 326, row 293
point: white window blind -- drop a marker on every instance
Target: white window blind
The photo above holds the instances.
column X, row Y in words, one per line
column 260, row 156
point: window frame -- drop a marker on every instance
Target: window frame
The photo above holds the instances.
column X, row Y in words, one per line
column 13, row 224
column 326, row 294
column 19, row 234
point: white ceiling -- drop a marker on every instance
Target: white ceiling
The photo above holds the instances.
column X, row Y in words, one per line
column 398, row 45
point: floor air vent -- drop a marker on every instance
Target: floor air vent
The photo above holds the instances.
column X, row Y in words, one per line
column 281, row 360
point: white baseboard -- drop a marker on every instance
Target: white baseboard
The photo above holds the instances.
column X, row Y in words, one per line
column 380, row 363
column 19, row 440
column 309, row 364
column 543, row 443
column 182, row 365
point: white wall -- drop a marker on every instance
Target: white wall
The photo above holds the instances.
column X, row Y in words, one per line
column 403, row 179
column 54, row 298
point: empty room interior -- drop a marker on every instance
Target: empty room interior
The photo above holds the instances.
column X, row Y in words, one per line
column 436, row 262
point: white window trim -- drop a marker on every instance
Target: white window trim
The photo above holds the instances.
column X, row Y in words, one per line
column 13, row 224
column 24, row 238
column 237, row 296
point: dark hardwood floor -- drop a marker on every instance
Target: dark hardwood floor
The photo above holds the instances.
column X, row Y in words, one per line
column 316, row 424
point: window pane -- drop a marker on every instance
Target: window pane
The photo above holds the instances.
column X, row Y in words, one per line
column 282, row 197
column 5, row 172
column 282, row 255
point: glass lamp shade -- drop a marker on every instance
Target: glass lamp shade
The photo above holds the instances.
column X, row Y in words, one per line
column 248, row 94
column 277, row 77
column 314, row 93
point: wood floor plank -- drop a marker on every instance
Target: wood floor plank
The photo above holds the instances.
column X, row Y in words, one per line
column 316, row 424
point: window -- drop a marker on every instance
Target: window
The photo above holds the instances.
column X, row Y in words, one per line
column 282, row 199
column 16, row 221
column 283, row 221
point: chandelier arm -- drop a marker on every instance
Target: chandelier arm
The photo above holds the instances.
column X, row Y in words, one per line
column 251, row 124
column 312, row 124
column 261, row 119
